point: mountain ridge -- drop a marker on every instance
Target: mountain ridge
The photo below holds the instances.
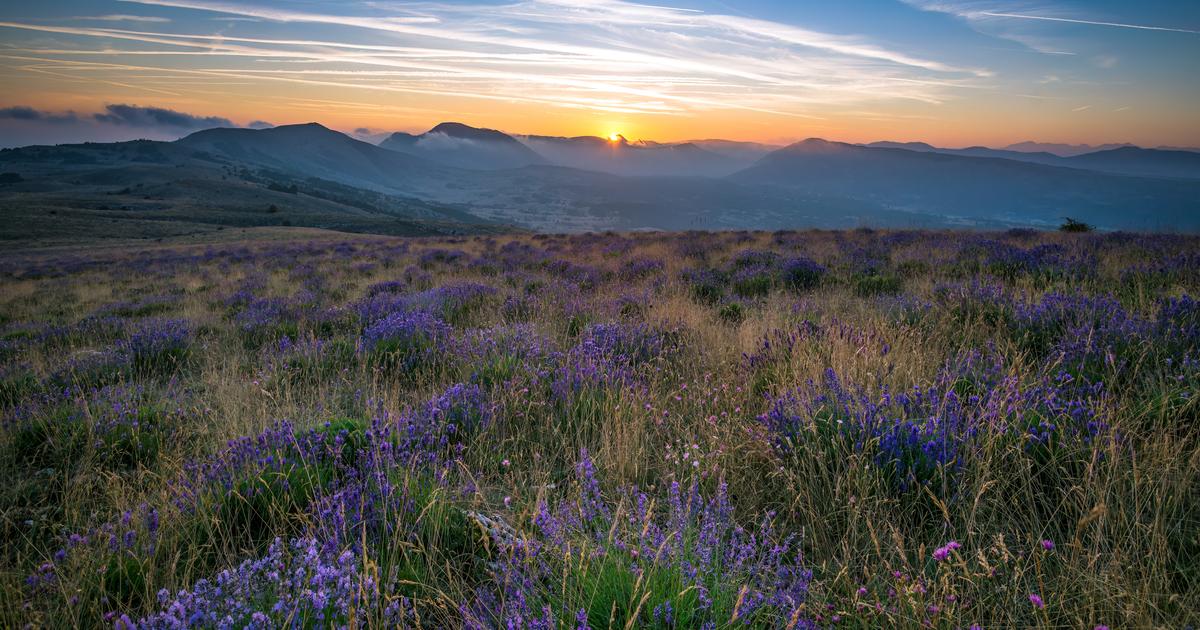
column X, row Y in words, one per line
column 302, row 169
column 463, row 146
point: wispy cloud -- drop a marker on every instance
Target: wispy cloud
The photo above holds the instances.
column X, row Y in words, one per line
column 1044, row 26
column 1046, row 18
column 149, row 19
column 604, row 55
column 1083, row 108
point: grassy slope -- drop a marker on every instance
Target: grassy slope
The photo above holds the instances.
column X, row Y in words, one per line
column 140, row 191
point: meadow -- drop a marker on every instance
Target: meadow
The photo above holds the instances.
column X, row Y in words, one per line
column 658, row 430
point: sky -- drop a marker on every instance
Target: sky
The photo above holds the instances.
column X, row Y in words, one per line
column 949, row 72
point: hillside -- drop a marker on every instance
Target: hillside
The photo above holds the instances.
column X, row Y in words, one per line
column 317, row 177
column 976, row 187
column 162, row 190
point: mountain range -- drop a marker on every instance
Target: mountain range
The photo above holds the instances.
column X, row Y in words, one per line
column 456, row 178
column 1122, row 159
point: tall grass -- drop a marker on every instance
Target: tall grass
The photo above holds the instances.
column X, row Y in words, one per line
column 795, row 429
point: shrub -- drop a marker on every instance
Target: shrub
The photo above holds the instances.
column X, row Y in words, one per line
column 1071, row 225
column 732, row 312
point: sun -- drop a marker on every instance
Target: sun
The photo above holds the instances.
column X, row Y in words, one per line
column 614, row 137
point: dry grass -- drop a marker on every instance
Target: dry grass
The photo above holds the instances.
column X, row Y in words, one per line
column 1122, row 514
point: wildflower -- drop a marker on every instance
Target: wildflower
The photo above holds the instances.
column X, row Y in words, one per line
column 1036, row 600
column 941, row 553
column 1048, row 544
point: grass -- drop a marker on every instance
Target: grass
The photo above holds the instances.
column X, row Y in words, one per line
column 512, row 442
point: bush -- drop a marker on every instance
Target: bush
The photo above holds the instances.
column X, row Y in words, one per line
column 1071, row 225
column 732, row 312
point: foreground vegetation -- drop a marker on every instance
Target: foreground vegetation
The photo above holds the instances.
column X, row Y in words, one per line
column 789, row 430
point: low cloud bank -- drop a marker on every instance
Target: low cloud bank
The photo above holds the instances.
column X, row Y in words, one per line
column 22, row 125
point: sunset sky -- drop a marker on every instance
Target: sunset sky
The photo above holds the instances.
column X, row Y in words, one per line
column 950, row 72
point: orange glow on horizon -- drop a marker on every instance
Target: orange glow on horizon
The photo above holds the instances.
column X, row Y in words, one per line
column 997, row 124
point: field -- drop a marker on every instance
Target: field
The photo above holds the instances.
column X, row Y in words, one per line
column 695, row 430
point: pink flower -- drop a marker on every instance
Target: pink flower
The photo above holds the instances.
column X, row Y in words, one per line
column 941, row 553
column 1047, row 544
column 1036, row 600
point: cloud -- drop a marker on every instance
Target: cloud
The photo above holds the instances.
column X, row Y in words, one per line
column 21, row 125
column 599, row 55
column 122, row 18
column 21, row 112
column 125, row 116
column 1028, row 22
column 443, row 142
column 1046, row 18
column 135, row 116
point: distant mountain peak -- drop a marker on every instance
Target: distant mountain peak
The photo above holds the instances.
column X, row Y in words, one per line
column 467, row 132
column 463, row 146
column 1062, row 149
column 819, row 145
column 911, row 146
column 309, row 127
column 400, row 136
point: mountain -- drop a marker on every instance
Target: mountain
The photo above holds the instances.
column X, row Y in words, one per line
column 307, row 175
column 462, row 146
column 1138, row 161
column 1061, row 150
column 1041, row 157
column 976, row 187
column 316, row 151
column 924, row 147
column 1124, row 160
column 639, row 159
column 745, row 153
column 146, row 189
